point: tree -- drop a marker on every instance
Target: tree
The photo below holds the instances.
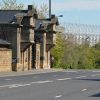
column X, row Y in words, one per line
column 58, row 50
column 97, row 46
column 97, row 55
column 11, row 4
column 43, row 11
column 86, row 58
column 70, row 56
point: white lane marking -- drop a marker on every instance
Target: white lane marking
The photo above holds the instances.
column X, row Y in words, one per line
column 14, row 85
column 96, row 71
column 4, row 86
column 81, row 77
column 83, row 89
column 69, row 71
column 7, row 79
column 8, row 85
column 54, row 75
column 95, row 74
column 58, row 96
column 38, row 82
column 64, row 79
column 19, row 85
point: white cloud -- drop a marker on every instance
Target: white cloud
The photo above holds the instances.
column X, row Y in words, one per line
column 77, row 4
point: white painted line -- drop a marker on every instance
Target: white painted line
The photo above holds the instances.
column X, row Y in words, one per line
column 95, row 74
column 96, row 71
column 83, row 89
column 64, row 79
column 19, row 85
column 69, row 71
column 38, row 82
column 8, row 85
column 7, row 79
column 14, row 85
column 54, row 75
column 81, row 77
column 4, row 86
column 58, row 96
column 44, row 81
column 26, row 84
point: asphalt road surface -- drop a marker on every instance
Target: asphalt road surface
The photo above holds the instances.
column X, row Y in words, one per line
column 62, row 85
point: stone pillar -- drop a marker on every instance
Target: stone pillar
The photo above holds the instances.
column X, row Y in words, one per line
column 22, row 57
column 18, row 49
column 43, row 52
column 26, row 60
column 30, row 58
column 37, row 56
column 48, row 60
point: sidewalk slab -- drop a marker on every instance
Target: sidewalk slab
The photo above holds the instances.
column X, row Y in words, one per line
column 30, row 72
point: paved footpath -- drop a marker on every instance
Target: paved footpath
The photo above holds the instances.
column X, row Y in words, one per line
column 40, row 71
column 12, row 73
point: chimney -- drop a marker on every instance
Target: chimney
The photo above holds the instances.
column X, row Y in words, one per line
column 30, row 7
column 53, row 16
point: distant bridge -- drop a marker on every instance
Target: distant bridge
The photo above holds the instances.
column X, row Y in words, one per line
column 82, row 32
column 82, row 28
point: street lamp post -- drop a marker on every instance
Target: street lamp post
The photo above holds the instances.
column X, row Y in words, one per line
column 49, row 8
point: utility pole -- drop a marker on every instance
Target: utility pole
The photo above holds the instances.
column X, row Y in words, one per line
column 49, row 8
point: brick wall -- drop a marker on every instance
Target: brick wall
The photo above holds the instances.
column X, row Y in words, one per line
column 5, row 59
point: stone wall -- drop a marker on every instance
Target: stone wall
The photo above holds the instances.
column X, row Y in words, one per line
column 5, row 59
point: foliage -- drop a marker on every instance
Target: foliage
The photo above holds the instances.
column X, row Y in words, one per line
column 42, row 10
column 11, row 4
column 97, row 55
column 69, row 54
column 58, row 50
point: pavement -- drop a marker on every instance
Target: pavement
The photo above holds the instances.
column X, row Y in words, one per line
column 30, row 72
column 39, row 71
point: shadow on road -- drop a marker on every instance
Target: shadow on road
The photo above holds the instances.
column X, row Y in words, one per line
column 90, row 79
column 95, row 95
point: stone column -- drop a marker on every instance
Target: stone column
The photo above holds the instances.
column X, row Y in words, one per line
column 22, row 54
column 48, row 60
column 43, row 52
column 18, row 55
column 37, row 56
column 30, row 58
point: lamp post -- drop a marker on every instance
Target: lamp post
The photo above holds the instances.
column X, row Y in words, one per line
column 49, row 8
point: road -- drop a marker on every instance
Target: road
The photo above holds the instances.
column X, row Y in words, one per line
column 62, row 85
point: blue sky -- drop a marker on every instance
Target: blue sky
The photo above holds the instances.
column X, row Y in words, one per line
column 73, row 11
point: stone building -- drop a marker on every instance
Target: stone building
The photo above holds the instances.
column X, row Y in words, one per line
column 45, row 39
column 31, row 38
